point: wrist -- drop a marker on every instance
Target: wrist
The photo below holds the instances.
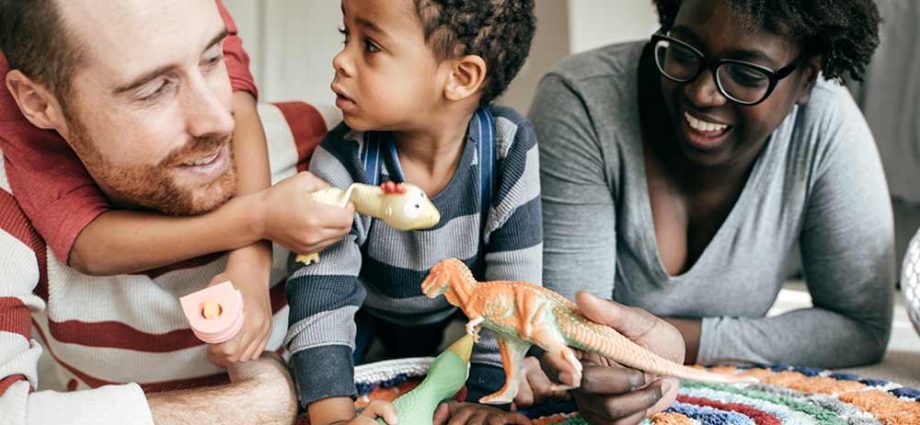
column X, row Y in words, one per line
column 253, row 214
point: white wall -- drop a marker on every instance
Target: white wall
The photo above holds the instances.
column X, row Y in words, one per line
column 595, row 23
column 292, row 42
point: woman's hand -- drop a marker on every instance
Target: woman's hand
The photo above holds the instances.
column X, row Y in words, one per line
column 609, row 393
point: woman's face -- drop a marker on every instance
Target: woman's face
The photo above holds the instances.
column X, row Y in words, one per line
column 710, row 129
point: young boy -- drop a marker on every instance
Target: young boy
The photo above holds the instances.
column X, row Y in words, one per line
column 415, row 81
column 75, row 219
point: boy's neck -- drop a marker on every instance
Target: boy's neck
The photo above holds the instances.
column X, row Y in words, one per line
column 430, row 154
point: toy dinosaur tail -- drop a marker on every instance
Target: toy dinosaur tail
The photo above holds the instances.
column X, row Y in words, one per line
column 589, row 336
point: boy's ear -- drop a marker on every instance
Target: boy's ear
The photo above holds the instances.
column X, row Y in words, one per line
column 811, row 70
column 467, row 76
column 36, row 102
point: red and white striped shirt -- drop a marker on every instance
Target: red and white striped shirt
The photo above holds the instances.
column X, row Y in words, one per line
column 103, row 332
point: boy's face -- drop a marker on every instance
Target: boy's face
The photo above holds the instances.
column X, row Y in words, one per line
column 386, row 77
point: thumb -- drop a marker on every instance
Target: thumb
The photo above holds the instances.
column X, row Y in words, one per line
column 629, row 321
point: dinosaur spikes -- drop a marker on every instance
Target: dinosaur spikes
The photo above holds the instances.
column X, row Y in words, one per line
column 391, row 188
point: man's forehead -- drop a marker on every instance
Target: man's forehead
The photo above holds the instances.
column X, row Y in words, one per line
column 128, row 35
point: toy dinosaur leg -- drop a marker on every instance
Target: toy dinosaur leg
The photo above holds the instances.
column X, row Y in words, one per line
column 308, row 259
column 552, row 342
column 472, row 327
column 513, row 352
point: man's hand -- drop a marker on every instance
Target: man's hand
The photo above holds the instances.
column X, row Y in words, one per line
column 610, row 393
column 252, row 281
column 456, row 413
column 260, row 392
column 291, row 219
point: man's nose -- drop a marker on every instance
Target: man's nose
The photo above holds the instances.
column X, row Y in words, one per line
column 703, row 91
column 207, row 111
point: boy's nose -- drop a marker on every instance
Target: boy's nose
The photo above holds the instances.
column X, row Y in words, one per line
column 341, row 64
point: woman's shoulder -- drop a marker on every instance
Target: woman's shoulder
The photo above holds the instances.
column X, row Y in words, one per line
column 615, row 61
column 831, row 124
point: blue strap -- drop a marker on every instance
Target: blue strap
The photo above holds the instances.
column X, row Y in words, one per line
column 485, row 146
column 380, row 149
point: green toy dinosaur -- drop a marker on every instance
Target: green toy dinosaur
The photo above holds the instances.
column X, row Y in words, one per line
column 402, row 206
column 446, row 377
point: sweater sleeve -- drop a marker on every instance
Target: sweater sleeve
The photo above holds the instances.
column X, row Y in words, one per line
column 19, row 355
column 325, row 296
column 578, row 208
column 847, row 246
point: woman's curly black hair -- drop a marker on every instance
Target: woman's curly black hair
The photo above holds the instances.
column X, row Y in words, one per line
column 843, row 32
column 499, row 31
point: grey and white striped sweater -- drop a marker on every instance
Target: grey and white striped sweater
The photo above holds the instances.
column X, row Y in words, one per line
column 380, row 269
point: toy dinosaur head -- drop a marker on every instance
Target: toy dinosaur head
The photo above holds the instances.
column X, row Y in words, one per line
column 406, row 207
column 450, row 278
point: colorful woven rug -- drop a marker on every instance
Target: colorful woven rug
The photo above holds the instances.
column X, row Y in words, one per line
column 785, row 395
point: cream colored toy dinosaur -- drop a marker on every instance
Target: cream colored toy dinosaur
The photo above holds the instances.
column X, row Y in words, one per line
column 402, row 206
column 521, row 314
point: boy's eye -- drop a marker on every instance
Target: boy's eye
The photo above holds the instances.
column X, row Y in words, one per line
column 371, row 46
column 344, row 32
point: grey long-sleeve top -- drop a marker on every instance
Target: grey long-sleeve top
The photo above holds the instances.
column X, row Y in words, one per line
column 818, row 182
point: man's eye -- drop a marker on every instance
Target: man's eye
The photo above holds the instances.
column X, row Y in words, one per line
column 161, row 89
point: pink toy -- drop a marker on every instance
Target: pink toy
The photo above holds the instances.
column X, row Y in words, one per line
column 215, row 313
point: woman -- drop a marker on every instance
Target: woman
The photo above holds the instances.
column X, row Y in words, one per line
column 680, row 174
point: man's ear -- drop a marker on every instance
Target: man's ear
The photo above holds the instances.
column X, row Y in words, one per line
column 811, row 69
column 37, row 103
column 467, row 75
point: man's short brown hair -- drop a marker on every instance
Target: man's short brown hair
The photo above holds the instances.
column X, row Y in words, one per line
column 36, row 42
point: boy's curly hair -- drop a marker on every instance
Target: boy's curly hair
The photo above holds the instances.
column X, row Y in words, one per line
column 843, row 32
column 499, row 31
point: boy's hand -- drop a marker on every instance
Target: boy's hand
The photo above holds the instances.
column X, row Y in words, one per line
column 291, row 219
column 456, row 413
column 250, row 342
column 376, row 409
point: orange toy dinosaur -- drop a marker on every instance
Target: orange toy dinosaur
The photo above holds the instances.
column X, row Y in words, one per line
column 522, row 314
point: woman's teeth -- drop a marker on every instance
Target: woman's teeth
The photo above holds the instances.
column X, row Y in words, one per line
column 701, row 125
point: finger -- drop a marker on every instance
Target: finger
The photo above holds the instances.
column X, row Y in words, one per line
column 559, row 369
column 517, row 419
column 610, row 380
column 459, row 416
column 617, row 407
column 524, row 397
column 495, row 419
column 631, row 322
column 477, row 418
column 332, row 217
column 381, row 409
column 442, row 414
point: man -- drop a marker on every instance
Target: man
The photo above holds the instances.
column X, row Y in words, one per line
column 86, row 64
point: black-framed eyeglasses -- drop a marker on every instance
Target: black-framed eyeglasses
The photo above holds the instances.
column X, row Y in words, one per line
column 739, row 81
